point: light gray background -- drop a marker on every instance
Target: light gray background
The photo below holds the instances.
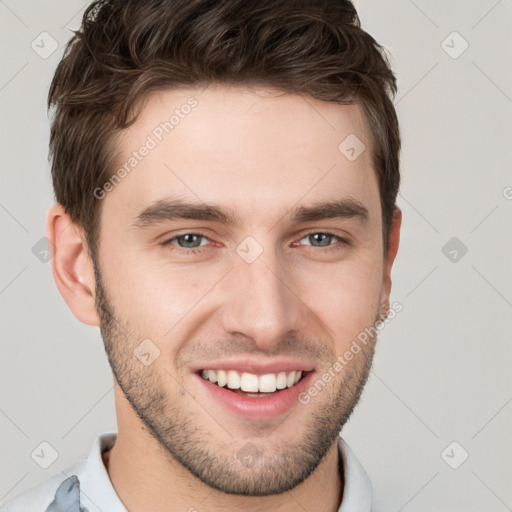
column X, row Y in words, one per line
column 442, row 369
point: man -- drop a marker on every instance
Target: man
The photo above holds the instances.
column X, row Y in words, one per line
column 225, row 176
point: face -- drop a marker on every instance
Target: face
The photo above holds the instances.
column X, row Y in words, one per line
column 243, row 247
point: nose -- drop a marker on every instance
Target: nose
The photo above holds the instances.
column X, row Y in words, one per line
column 261, row 303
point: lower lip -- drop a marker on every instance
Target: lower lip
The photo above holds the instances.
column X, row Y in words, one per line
column 257, row 408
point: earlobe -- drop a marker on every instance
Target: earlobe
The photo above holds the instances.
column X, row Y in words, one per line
column 394, row 240
column 72, row 266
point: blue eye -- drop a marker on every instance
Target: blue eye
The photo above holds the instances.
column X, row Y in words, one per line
column 323, row 239
column 187, row 241
column 320, row 237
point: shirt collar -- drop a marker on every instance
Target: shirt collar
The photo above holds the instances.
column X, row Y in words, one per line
column 99, row 494
column 357, row 488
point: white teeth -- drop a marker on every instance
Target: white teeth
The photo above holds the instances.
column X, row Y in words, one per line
column 233, row 379
column 251, row 383
column 221, row 378
column 290, row 379
column 268, row 383
column 281, row 380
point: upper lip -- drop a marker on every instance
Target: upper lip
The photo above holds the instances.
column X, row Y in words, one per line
column 257, row 367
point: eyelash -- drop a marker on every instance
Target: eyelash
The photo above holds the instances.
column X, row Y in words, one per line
column 197, row 250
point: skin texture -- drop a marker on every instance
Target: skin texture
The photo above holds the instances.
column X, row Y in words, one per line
column 259, row 153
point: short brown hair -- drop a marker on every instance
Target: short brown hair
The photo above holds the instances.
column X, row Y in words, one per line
column 126, row 49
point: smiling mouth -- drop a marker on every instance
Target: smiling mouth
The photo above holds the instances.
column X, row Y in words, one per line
column 252, row 385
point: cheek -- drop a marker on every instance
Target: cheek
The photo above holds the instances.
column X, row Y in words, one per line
column 345, row 296
column 155, row 298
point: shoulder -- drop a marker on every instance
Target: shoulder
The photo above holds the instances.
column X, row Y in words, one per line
column 83, row 483
column 59, row 493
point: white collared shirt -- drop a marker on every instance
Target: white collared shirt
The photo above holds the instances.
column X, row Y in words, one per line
column 86, row 487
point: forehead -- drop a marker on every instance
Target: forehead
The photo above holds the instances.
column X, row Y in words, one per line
column 257, row 150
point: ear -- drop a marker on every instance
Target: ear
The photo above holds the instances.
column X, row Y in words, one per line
column 72, row 266
column 394, row 240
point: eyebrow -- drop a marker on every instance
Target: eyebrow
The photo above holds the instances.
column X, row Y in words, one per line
column 165, row 210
